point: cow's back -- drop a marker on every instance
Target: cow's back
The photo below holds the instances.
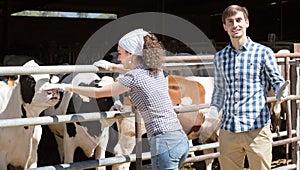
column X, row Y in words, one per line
column 185, row 92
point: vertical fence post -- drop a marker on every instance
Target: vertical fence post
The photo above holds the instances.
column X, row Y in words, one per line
column 294, row 106
column 138, row 141
column 297, row 92
column 288, row 107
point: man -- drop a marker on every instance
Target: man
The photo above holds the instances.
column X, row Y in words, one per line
column 243, row 72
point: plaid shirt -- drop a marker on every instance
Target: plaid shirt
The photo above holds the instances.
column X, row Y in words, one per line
column 149, row 93
column 242, row 79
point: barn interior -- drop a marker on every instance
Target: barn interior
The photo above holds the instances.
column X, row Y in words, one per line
column 57, row 40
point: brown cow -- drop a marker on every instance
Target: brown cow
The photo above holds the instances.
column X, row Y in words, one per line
column 183, row 91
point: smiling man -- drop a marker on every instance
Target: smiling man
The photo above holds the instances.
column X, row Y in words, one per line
column 244, row 70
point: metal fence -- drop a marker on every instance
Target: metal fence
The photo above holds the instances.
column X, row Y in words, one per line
column 292, row 132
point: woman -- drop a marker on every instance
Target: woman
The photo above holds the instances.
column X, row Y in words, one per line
column 141, row 55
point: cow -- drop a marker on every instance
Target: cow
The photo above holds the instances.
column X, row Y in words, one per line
column 126, row 143
column 182, row 91
column 22, row 97
column 278, row 109
column 91, row 136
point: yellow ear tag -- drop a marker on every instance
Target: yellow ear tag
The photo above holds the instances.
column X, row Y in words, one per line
column 10, row 82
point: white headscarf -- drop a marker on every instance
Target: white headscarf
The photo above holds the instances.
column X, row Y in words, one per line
column 133, row 41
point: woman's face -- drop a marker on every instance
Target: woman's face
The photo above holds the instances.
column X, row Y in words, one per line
column 124, row 57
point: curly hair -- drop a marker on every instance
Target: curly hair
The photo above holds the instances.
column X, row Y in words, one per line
column 153, row 53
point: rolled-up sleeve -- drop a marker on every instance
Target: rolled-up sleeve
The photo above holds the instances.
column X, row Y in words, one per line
column 219, row 85
column 272, row 70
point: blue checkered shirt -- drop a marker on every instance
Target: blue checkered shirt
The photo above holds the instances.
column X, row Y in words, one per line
column 242, row 80
column 149, row 93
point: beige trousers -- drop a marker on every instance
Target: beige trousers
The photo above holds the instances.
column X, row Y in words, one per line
column 256, row 144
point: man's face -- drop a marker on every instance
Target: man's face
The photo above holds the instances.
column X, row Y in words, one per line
column 236, row 25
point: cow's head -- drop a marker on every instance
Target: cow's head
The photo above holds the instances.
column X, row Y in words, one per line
column 83, row 104
column 31, row 88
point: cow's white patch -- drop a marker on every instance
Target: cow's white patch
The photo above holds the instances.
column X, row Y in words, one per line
column 207, row 83
column 6, row 91
column 186, row 101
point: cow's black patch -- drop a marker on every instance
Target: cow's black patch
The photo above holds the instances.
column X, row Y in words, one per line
column 105, row 103
column 61, row 94
column 27, row 88
column 71, row 129
column 24, row 115
column 93, row 127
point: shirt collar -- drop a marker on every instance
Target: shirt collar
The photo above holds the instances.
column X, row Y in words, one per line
column 244, row 47
column 248, row 43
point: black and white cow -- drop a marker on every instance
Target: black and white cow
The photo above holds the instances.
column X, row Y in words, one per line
column 20, row 99
column 91, row 136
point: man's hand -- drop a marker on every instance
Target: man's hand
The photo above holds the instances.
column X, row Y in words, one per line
column 210, row 125
column 283, row 91
column 106, row 65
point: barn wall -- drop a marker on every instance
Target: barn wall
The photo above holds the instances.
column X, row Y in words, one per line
column 49, row 39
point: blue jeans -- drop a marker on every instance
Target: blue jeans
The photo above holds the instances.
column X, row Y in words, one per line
column 169, row 150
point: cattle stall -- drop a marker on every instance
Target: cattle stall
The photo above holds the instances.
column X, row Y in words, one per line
column 292, row 133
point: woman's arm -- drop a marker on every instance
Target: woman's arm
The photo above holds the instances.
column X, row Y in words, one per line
column 106, row 91
column 110, row 66
column 120, row 69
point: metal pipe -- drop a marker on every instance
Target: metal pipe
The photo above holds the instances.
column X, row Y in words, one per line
column 190, row 58
column 290, row 97
column 196, row 107
column 178, row 66
column 146, row 156
column 194, row 58
column 204, row 146
column 59, row 69
column 190, row 108
column 95, row 163
column 44, row 120
column 202, row 157
column 285, row 141
column 97, row 115
column 283, row 133
column 290, row 55
column 287, row 167
column 19, row 70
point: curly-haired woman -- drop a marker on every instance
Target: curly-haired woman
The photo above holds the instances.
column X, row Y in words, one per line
column 141, row 55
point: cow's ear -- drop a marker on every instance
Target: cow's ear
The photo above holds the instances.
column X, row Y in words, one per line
column 27, row 88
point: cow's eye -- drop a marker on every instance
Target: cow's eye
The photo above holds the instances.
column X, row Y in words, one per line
column 49, row 91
